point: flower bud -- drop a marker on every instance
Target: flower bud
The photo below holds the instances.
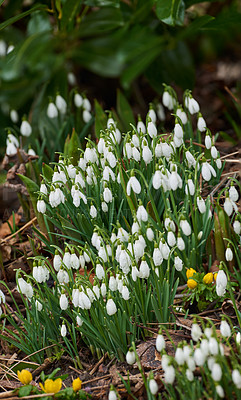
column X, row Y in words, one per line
column 130, row 357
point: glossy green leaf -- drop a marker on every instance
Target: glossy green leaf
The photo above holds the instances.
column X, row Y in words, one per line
column 71, row 147
column 16, row 18
column 170, row 12
column 69, row 13
column 195, row 26
column 100, row 21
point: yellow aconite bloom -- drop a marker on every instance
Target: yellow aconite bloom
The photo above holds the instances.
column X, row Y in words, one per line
column 208, row 278
column 190, row 272
column 76, row 384
column 215, row 276
column 25, row 376
column 191, row 283
column 51, row 386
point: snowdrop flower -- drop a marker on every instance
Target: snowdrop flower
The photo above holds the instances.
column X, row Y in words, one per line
column 14, row 116
column 218, row 163
column 63, row 330
column 237, row 227
column 178, row 264
column 216, row 372
column 38, row 305
column 189, row 375
column 71, row 79
column 201, row 205
column 67, row 259
column 190, row 187
column 169, row 375
column 93, row 211
column 41, row 206
column 25, row 288
column 112, row 394
column 179, row 356
column 74, row 261
column 63, row 276
column 141, row 214
column 153, row 386
column 107, row 195
column 82, row 163
column 190, row 159
column 128, row 150
column 61, row 104
column 180, row 243
column 175, row 180
column 140, row 126
column 130, row 357
column 229, row 205
column 79, row 320
column 151, row 114
column 182, row 115
column 236, row 377
column 25, row 128
column 125, row 293
column 86, row 104
column 112, row 284
column 221, row 283
column 86, row 116
column 59, row 177
column 133, row 184
column 2, row 296
column 178, row 131
column 103, row 290
column 3, row 48
column 192, row 105
column 238, row 339
column 63, row 302
column 225, row 329
column 185, row 227
column 111, row 307
column 168, row 101
column 213, row 346
column 228, row 254
column 100, row 272
column 146, row 154
column 199, row 357
column 201, row 124
column 78, row 100
column 144, row 270
column 208, row 171
column 214, row 152
column 52, row 111
column 160, row 112
column 164, row 248
column 96, row 291
column 233, row 193
column 208, row 141
column 134, row 273
column 151, row 129
column 171, row 239
column 160, row 343
column 196, row 332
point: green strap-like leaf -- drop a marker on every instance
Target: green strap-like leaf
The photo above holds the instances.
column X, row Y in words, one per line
column 16, row 18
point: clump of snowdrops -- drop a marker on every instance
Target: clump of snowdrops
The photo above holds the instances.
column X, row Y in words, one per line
column 135, row 214
column 207, row 367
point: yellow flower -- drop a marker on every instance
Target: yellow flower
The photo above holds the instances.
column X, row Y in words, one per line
column 76, row 384
column 25, row 376
column 191, row 283
column 190, row 272
column 215, row 276
column 51, row 386
column 208, row 278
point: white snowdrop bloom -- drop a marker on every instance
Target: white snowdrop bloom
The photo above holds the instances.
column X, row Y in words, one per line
column 160, row 343
column 103, row 290
column 101, row 145
column 229, row 206
column 190, row 187
column 67, row 259
column 82, row 163
column 238, row 339
column 225, row 329
column 146, row 154
column 52, row 111
column 213, row 346
column 190, row 159
column 237, row 227
column 150, row 234
column 208, row 141
column 196, row 332
column 204, row 346
column 152, row 115
column 108, row 174
column 130, row 357
column 165, row 361
column 93, row 211
column 151, row 129
column 122, row 235
column 178, row 264
column 43, row 189
column 71, row 79
column 100, row 272
column 216, row 372
column 218, row 163
column 63, row 330
column 10, row 48
column 191, row 363
column 91, row 294
column 139, row 250
column 228, row 254
column 186, row 352
column 141, row 127
column 134, row 273
column 236, row 377
column 79, row 320
column 157, row 180
column 144, row 270
column 169, row 375
column 233, row 193
column 135, row 140
column 141, row 214
column 124, row 259
column 199, row 357
column 160, row 112
column 3, row 48
column 107, row 195
column 125, row 293
column 112, row 283
column 177, row 141
column 78, row 100
column 96, row 240
column 208, row 171
column 179, row 356
column 192, row 105
column 169, row 224
column 2, row 297
column 220, row 391
column 133, row 184
column 175, row 180
column 201, row 124
column 41, row 206
column 63, row 302
column 12, row 139
column 111, row 123
column 74, row 261
column 168, row 101
column 153, row 386
column 201, row 205
column 214, row 152
column 59, row 177
column 111, row 159
column 86, row 116
column 189, row 375
column 167, row 151
column 185, row 227
column 102, row 254
column 96, row 291
column 171, row 239
column 164, row 248
column 221, row 283
column 38, row 305
column 210, row 362
column 25, row 128
column 112, row 395
column 86, row 301
column 75, row 297
column 128, row 150
column 71, row 170
column 178, row 131
column 182, row 115
column 14, row 116
column 158, row 150
column 25, row 288
column 111, row 307
column 86, row 104
column 61, row 104
column 135, row 227
column 63, row 276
